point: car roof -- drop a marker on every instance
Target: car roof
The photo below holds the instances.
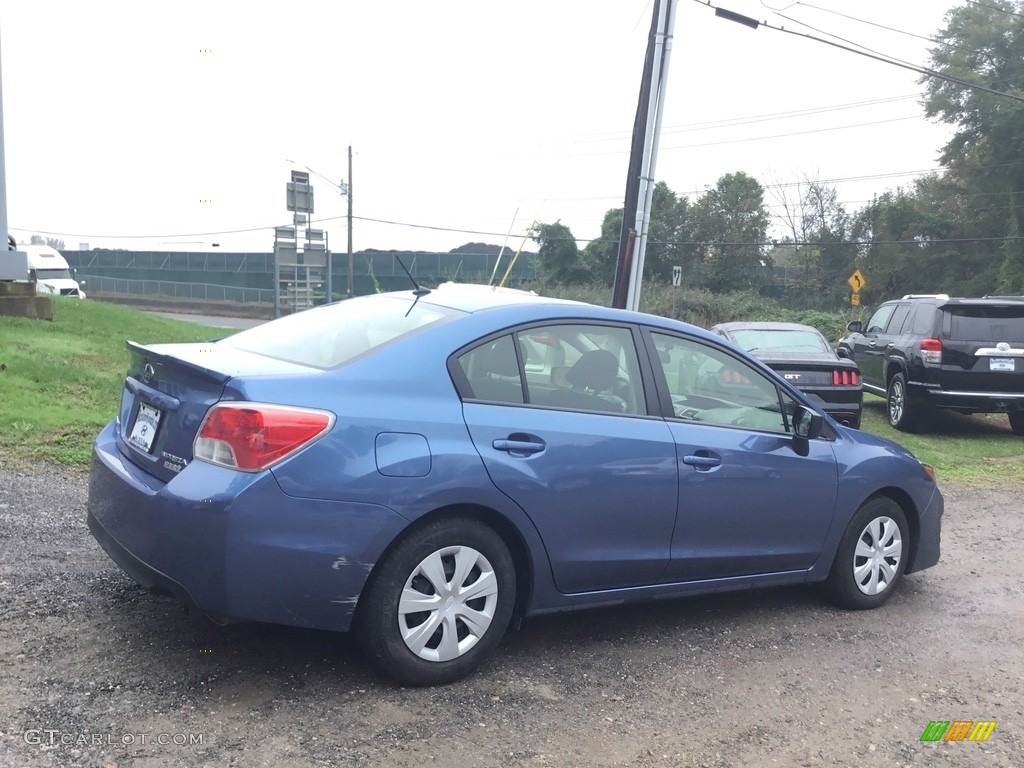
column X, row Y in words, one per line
column 469, row 297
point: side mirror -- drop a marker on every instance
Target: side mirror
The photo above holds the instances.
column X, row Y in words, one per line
column 806, row 423
column 854, row 326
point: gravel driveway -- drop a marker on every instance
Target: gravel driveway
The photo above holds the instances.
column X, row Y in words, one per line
column 97, row 672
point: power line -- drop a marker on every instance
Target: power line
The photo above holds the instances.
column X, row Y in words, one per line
column 729, row 122
column 793, row 133
column 869, row 23
column 753, row 23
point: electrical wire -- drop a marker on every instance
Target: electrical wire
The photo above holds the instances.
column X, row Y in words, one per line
column 882, row 58
column 870, row 23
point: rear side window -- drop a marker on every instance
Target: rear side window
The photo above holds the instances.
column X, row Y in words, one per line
column 329, row 336
column 923, row 320
column 492, row 371
column 898, row 319
column 995, row 324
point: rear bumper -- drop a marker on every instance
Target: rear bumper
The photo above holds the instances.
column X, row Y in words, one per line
column 969, row 401
column 234, row 545
column 844, row 407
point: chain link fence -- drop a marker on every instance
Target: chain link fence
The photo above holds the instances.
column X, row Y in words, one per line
column 174, row 290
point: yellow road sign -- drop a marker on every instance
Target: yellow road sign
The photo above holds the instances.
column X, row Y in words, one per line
column 857, row 281
column 855, row 299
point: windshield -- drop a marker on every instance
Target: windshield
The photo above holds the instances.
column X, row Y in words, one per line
column 53, row 274
column 329, row 336
column 761, row 339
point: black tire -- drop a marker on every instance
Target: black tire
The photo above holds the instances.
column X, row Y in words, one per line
column 902, row 412
column 465, row 633
column 1017, row 422
column 876, row 543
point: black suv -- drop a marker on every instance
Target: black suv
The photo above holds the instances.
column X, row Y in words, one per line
column 920, row 352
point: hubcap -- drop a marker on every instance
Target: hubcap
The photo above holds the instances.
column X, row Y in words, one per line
column 896, row 402
column 448, row 603
column 877, row 557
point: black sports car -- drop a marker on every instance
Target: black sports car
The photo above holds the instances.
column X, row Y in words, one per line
column 805, row 358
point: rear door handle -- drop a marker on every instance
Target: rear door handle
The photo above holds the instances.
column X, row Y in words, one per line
column 702, row 463
column 521, row 447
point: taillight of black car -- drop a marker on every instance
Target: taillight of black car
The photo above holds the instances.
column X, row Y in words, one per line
column 844, row 377
column 253, row 436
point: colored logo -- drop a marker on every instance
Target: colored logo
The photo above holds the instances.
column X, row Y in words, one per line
column 958, row 730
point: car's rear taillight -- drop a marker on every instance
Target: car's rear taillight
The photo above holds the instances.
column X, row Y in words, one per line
column 931, row 351
column 252, row 436
column 844, row 377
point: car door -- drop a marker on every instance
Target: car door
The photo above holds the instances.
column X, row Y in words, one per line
column 870, row 347
column 595, row 473
column 749, row 502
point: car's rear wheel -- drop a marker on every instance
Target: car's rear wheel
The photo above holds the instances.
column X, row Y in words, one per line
column 872, row 556
column 1017, row 422
column 902, row 412
column 439, row 603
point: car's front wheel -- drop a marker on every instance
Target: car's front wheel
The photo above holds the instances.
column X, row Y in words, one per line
column 1017, row 422
column 872, row 555
column 439, row 603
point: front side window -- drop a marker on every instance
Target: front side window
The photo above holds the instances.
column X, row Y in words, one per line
column 878, row 320
column 709, row 385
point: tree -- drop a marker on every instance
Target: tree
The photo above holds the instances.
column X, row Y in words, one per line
column 823, row 254
column 668, row 239
column 558, row 256
column 731, row 220
column 983, row 43
column 50, row 241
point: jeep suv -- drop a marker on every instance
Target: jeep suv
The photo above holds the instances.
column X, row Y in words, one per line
column 923, row 352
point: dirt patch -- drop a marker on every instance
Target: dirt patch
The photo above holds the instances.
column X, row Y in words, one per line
column 97, row 672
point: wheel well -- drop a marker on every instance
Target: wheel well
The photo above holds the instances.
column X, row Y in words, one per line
column 891, row 371
column 910, row 512
column 500, row 524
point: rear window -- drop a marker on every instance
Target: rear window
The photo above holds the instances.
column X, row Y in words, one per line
column 994, row 324
column 326, row 337
column 763, row 340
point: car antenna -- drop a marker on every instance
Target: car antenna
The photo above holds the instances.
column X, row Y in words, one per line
column 418, row 291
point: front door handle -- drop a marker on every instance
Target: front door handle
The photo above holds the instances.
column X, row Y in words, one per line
column 518, row 447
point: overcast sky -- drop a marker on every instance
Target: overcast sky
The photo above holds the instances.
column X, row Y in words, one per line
column 127, row 126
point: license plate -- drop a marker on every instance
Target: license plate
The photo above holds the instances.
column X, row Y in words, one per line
column 145, row 427
column 1000, row 364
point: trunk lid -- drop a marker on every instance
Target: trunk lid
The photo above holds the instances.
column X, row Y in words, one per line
column 168, row 390
column 983, row 348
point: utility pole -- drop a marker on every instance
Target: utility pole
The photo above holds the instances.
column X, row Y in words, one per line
column 350, row 286
column 643, row 157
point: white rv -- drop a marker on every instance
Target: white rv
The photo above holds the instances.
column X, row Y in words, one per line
column 50, row 272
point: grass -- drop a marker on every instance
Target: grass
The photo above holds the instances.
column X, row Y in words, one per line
column 61, row 381
column 978, row 450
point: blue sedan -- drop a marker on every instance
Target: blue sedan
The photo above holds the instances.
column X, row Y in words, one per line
column 425, row 467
